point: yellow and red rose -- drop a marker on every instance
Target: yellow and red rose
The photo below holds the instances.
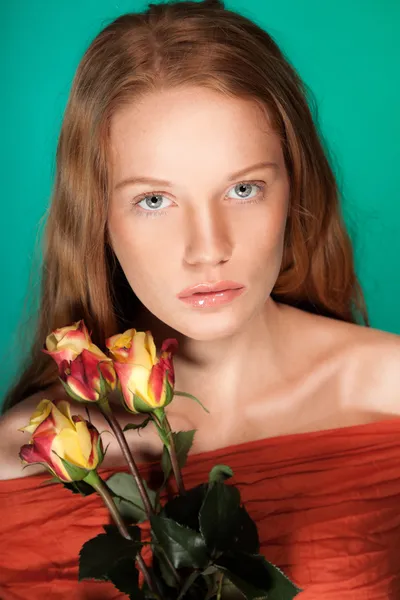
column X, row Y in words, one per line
column 68, row 446
column 86, row 372
column 146, row 381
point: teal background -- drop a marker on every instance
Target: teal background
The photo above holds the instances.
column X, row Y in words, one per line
column 346, row 52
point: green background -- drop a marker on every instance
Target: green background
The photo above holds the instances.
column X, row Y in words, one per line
column 346, row 52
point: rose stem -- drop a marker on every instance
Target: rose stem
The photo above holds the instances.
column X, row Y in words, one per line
column 116, row 427
column 219, row 592
column 172, row 452
column 97, row 483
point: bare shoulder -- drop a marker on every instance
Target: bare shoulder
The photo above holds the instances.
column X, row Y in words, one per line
column 18, row 416
column 376, row 370
column 11, row 439
column 368, row 360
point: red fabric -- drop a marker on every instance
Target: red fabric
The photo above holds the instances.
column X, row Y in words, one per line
column 327, row 506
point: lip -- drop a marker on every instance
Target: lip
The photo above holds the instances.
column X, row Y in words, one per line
column 211, row 295
column 210, row 288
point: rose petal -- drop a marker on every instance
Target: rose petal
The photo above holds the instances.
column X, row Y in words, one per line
column 84, row 440
column 66, row 445
column 158, row 383
column 151, row 348
column 108, row 372
column 59, row 356
column 96, row 443
column 41, row 413
column 120, row 345
column 139, row 353
column 61, row 415
column 30, row 454
column 83, row 391
column 44, row 447
column 90, row 363
column 169, row 345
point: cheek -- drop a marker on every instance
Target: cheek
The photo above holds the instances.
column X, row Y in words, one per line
column 141, row 251
column 263, row 236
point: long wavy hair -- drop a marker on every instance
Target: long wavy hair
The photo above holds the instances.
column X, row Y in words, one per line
column 169, row 45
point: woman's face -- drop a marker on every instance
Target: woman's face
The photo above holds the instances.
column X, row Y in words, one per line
column 205, row 222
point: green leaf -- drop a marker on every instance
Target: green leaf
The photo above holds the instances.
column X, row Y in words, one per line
column 162, row 568
column 230, row 590
column 183, row 442
column 138, row 426
column 133, row 530
column 185, row 509
column 210, row 570
column 188, row 583
column 212, row 582
column 220, row 473
column 219, row 515
column 51, row 481
column 245, row 536
column 183, row 546
column 282, row 588
column 193, row 398
column 131, row 513
column 128, row 499
column 248, row 574
column 98, row 555
column 79, row 487
column 256, row 578
column 125, row 576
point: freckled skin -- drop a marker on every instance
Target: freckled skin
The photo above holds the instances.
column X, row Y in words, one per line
column 261, row 367
column 205, row 228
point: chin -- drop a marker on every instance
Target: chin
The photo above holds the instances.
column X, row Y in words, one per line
column 203, row 326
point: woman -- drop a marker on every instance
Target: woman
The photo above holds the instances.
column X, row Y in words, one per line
column 193, row 197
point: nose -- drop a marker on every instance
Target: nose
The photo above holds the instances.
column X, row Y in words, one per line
column 208, row 239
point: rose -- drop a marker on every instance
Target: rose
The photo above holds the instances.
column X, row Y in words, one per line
column 68, row 446
column 87, row 378
column 85, row 371
column 146, row 381
column 66, row 343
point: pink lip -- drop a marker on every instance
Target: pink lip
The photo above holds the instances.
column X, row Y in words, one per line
column 208, row 288
column 208, row 295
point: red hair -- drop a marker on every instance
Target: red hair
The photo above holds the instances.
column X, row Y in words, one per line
column 169, row 45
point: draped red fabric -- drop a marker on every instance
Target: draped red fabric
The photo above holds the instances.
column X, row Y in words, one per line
column 327, row 506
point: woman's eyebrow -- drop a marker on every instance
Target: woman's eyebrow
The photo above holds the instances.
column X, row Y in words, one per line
column 231, row 177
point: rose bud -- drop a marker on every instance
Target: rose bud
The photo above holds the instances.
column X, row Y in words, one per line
column 146, row 381
column 68, row 446
column 85, row 371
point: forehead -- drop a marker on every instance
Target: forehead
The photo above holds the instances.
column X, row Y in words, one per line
column 182, row 128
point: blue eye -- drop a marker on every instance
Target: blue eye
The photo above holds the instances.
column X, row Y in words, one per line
column 152, row 202
column 249, row 184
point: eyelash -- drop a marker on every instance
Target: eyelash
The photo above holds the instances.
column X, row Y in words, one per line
column 156, row 213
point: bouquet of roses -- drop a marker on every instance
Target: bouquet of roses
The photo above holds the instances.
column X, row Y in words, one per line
column 203, row 543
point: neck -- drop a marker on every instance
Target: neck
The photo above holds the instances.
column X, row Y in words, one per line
column 223, row 370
